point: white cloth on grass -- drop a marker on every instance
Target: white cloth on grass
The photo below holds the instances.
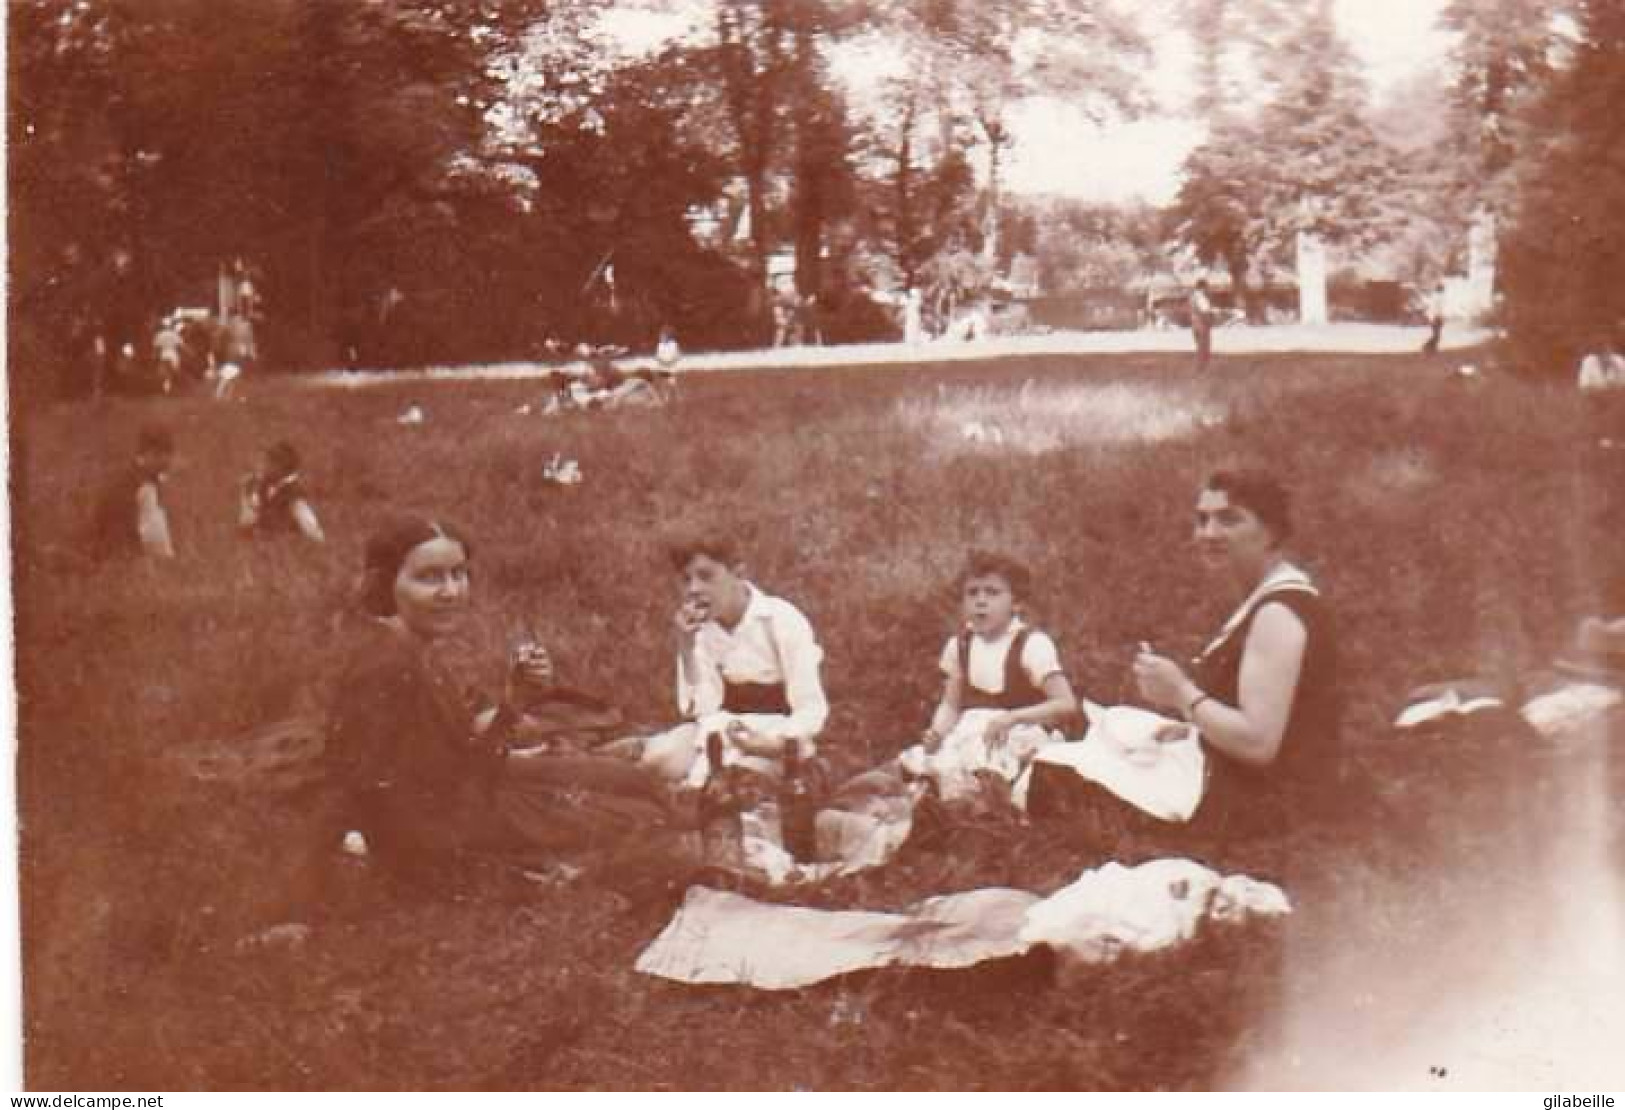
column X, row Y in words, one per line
column 1570, row 706
column 1602, row 371
column 965, row 751
column 717, row 937
column 1149, row 761
column 1116, row 909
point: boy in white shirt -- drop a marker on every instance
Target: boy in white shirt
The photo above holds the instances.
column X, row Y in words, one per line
column 747, row 669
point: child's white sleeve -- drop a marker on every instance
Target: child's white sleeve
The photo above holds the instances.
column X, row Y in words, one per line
column 948, row 662
column 1039, row 658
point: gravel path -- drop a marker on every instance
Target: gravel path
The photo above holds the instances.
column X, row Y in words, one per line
column 1329, row 338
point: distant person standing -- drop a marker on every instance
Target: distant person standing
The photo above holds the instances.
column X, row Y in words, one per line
column 167, row 345
column 786, row 315
column 667, row 355
column 235, row 353
column 131, row 517
column 248, row 298
column 1201, row 306
column 1433, row 305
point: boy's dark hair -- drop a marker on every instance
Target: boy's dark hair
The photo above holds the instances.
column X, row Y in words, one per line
column 1259, row 492
column 386, row 552
column 995, row 564
column 681, row 552
column 283, row 457
column 154, row 440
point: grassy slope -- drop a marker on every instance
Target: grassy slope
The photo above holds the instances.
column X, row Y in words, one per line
column 1443, row 516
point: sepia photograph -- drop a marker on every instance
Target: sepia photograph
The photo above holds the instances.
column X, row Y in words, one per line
column 817, row 545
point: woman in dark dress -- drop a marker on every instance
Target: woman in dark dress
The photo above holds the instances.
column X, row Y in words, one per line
column 424, row 768
column 1264, row 693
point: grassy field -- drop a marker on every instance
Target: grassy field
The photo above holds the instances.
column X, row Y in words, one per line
column 1445, row 517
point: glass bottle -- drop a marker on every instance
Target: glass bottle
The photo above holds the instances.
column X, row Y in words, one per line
column 798, row 813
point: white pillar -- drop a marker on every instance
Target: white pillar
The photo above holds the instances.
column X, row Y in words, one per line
column 913, row 325
column 1480, row 292
column 1311, row 279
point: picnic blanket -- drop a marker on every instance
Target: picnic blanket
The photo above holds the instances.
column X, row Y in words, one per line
column 965, row 753
column 1149, row 761
column 722, row 938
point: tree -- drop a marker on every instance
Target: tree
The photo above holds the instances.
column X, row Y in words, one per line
column 1565, row 249
column 993, row 56
column 1308, row 168
column 1091, row 245
column 329, row 145
column 1501, row 60
column 920, row 188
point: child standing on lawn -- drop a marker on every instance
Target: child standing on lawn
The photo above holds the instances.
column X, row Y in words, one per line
column 1005, row 693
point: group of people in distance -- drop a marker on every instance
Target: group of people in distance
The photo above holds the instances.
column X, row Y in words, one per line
column 132, row 516
column 429, row 773
column 601, row 384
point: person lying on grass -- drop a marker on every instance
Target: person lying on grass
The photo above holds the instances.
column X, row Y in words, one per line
column 273, row 500
column 1264, row 692
column 1004, row 693
column 747, row 668
column 424, row 768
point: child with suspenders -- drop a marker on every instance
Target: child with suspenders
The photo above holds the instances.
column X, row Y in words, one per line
column 1004, row 692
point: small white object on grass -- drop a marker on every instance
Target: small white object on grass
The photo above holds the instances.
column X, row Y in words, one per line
column 412, row 415
column 354, row 843
column 562, row 471
column 977, row 432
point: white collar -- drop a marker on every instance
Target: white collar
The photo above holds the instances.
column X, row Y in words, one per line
column 283, row 482
column 1284, row 576
column 1010, row 631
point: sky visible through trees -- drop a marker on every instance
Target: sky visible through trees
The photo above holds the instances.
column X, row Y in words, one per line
column 455, row 180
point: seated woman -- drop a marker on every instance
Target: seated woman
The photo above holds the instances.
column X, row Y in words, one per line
column 273, row 500
column 747, row 668
column 1264, row 692
column 424, row 768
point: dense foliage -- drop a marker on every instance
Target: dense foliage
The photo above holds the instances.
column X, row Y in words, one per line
column 1566, row 248
column 451, row 179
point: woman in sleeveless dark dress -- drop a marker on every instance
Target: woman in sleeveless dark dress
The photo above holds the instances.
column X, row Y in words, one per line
column 1264, row 692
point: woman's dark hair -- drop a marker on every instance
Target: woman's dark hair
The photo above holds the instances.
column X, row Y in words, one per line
column 996, row 564
column 1260, row 493
column 386, row 552
column 681, row 552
